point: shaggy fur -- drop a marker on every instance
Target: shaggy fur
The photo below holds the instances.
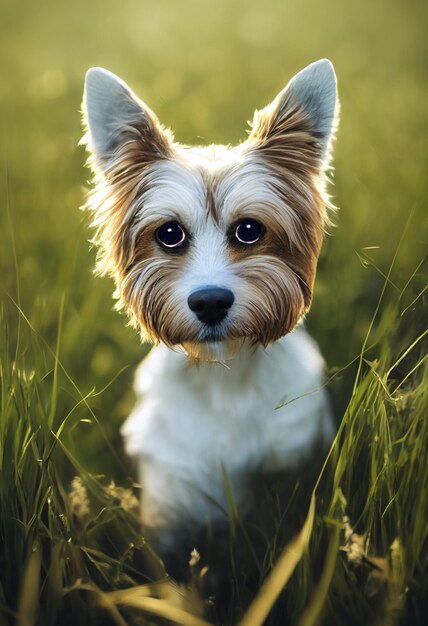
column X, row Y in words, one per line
column 192, row 426
column 276, row 176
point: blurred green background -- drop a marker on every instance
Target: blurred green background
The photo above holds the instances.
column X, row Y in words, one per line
column 203, row 66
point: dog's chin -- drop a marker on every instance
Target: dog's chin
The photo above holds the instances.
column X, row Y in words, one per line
column 213, row 351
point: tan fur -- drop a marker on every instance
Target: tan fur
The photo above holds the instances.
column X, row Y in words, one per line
column 283, row 135
column 276, row 301
column 279, row 270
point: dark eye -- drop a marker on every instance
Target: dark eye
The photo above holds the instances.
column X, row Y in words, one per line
column 171, row 235
column 249, row 231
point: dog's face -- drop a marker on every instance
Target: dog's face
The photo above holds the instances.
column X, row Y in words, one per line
column 211, row 247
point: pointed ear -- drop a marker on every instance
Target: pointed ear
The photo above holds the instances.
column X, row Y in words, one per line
column 307, row 106
column 113, row 116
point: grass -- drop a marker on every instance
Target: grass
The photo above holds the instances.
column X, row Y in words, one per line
column 71, row 550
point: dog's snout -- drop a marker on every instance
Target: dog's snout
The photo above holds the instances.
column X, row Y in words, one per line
column 211, row 304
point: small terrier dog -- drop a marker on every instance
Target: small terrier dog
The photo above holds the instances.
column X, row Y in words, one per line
column 213, row 251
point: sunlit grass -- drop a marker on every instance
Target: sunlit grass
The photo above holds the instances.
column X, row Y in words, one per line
column 71, row 549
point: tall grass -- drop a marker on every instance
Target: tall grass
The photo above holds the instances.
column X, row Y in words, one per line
column 65, row 552
column 71, row 549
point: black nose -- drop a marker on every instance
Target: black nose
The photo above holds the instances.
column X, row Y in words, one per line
column 211, row 303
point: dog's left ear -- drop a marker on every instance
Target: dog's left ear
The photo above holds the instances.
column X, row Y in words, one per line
column 114, row 117
column 302, row 118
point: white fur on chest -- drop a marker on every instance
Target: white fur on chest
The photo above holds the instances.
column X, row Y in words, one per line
column 193, row 423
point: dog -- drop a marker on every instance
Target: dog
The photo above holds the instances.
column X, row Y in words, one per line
column 213, row 251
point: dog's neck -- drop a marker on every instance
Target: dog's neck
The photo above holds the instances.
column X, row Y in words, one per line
column 229, row 379
column 219, row 352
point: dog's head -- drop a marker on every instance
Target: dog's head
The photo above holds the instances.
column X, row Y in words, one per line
column 210, row 247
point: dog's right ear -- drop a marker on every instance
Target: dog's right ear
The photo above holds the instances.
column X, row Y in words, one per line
column 114, row 117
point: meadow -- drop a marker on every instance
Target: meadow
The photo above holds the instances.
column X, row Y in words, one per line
column 71, row 549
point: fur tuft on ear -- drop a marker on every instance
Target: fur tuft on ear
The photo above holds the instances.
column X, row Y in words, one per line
column 113, row 115
column 304, row 114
